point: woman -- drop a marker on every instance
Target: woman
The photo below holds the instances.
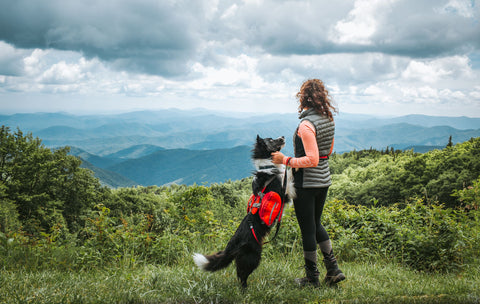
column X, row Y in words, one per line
column 313, row 143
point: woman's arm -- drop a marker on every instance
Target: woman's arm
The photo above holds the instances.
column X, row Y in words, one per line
column 306, row 131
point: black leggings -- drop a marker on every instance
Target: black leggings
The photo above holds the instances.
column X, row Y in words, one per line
column 308, row 209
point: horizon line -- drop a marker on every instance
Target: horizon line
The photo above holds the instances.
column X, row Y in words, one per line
column 225, row 112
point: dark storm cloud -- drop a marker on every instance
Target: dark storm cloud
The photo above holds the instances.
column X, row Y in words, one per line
column 424, row 29
column 166, row 37
column 292, row 27
column 156, row 37
column 408, row 28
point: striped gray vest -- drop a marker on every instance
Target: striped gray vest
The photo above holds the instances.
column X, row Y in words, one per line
column 319, row 176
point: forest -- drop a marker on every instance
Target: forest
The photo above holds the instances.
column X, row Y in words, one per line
column 398, row 211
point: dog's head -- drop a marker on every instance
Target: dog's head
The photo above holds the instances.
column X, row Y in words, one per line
column 264, row 147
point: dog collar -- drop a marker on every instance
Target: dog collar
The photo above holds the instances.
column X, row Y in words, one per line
column 266, row 167
column 266, row 164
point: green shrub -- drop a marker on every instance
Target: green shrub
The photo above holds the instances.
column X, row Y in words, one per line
column 469, row 196
column 360, row 177
column 424, row 237
column 9, row 221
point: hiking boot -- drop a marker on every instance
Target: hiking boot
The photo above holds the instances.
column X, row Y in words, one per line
column 312, row 275
column 334, row 274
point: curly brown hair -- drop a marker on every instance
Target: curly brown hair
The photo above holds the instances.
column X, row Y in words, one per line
column 314, row 95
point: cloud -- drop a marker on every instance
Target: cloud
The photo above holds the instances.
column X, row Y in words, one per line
column 168, row 37
column 422, row 30
column 243, row 52
column 66, row 72
column 434, row 70
column 361, row 23
column 63, row 73
column 285, row 27
column 418, row 29
column 11, row 60
column 144, row 36
column 346, row 69
column 462, row 8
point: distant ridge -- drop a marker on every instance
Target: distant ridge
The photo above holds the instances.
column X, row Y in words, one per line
column 201, row 146
column 92, row 159
column 188, row 166
column 400, row 136
column 109, row 178
column 462, row 122
column 136, row 151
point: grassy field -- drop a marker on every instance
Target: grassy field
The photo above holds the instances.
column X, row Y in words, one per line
column 70, row 240
column 272, row 282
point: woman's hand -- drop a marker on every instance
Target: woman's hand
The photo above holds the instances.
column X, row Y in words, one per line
column 277, row 157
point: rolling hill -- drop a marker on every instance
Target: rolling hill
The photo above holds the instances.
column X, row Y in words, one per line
column 183, row 166
column 109, row 178
column 197, row 146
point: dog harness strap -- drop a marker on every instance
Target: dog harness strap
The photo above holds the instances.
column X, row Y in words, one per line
column 266, row 167
column 254, row 235
column 323, row 157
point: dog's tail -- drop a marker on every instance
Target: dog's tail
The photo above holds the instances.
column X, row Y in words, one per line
column 212, row 262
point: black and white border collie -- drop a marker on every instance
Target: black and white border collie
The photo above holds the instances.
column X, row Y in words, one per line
column 245, row 247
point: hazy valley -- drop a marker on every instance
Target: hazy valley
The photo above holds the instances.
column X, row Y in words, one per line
column 199, row 146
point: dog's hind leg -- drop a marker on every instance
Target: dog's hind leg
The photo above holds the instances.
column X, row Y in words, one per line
column 246, row 264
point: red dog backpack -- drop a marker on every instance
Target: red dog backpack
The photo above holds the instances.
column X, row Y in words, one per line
column 269, row 206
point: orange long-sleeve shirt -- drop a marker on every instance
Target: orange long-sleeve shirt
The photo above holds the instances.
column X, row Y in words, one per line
column 306, row 131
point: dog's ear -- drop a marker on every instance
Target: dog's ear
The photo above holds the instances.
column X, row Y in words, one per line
column 260, row 140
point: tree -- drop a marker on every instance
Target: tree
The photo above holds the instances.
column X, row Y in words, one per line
column 450, row 144
column 8, row 213
column 47, row 187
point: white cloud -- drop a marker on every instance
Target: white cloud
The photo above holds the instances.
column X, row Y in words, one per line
column 373, row 90
column 428, row 94
column 10, row 60
column 239, row 72
column 421, row 71
column 475, row 95
column 62, row 73
column 431, row 71
column 230, row 12
column 33, row 64
column 361, row 23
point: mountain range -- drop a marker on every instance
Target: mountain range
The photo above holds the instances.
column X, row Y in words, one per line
column 201, row 146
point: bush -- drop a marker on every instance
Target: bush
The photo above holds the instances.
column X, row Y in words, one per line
column 427, row 238
column 108, row 240
column 394, row 177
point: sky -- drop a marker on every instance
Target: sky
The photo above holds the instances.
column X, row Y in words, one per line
column 380, row 57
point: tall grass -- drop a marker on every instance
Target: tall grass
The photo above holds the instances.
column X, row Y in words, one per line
column 370, row 282
column 414, row 253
